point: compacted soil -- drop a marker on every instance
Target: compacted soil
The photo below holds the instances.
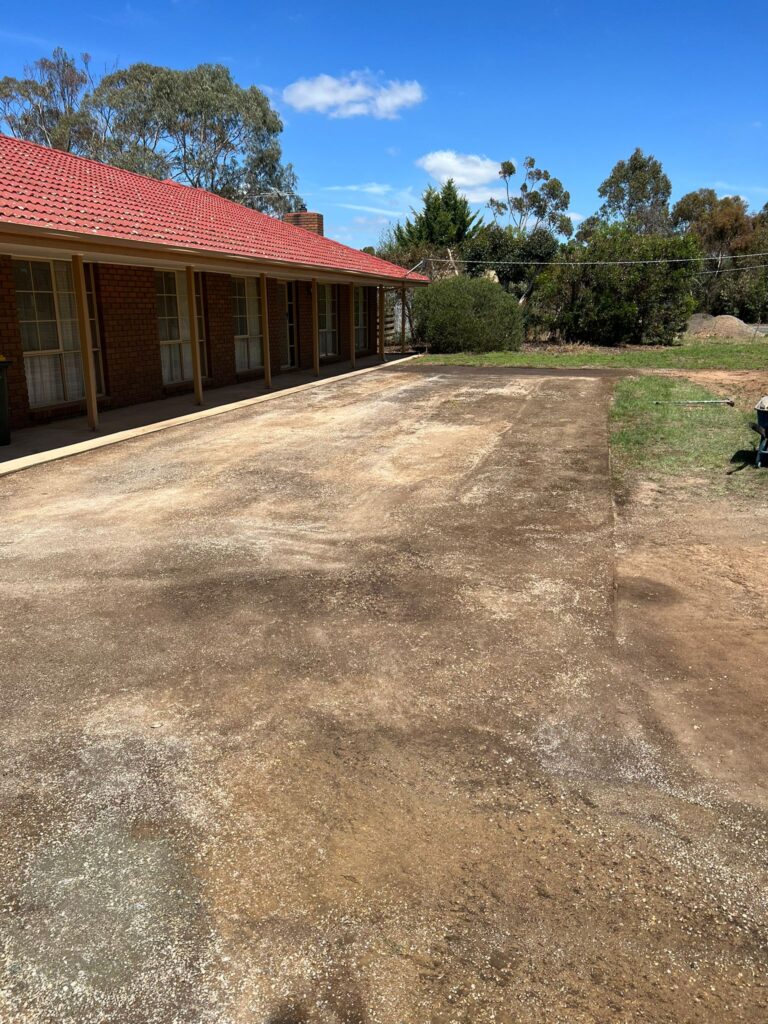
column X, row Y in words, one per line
column 366, row 706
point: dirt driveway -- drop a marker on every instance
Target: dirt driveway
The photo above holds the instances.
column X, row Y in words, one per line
column 327, row 711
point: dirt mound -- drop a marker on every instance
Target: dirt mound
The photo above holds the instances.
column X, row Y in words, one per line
column 702, row 325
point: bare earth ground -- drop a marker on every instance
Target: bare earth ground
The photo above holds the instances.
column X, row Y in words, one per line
column 358, row 707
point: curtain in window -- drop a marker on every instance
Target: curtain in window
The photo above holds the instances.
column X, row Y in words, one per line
column 44, row 382
column 170, row 356
column 255, row 358
column 247, row 307
column 72, row 364
column 361, row 319
column 326, row 315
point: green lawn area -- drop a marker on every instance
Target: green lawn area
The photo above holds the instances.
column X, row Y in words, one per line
column 657, row 441
column 690, row 355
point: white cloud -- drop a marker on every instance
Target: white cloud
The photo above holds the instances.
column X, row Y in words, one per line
column 482, row 193
column 371, row 188
column 729, row 189
column 370, row 209
column 466, row 169
column 575, row 217
column 358, row 94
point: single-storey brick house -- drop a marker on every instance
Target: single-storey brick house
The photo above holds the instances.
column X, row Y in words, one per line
column 116, row 288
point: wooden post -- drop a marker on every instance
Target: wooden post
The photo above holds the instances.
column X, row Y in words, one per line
column 402, row 318
column 86, row 342
column 265, row 353
column 352, row 353
column 315, row 330
column 197, row 374
column 382, row 325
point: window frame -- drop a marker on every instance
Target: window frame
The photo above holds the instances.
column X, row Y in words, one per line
column 60, row 351
column 328, row 312
column 179, row 295
column 361, row 326
column 253, row 315
column 291, row 307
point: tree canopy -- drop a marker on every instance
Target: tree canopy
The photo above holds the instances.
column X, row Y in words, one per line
column 516, row 258
column 444, row 220
column 45, row 106
column 589, row 295
column 541, row 201
column 722, row 225
column 637, row 192
column 198, row 126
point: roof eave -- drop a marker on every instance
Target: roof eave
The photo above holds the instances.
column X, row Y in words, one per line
column 121, row 250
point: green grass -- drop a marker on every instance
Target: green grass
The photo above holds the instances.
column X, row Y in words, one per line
column 691, row 355
column 709, row 443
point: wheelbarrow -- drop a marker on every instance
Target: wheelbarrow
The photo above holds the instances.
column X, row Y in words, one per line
column 761, row 428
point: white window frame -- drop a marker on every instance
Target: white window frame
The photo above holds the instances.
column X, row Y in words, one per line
column 176, row 360
column 290, row 306
column 246, row 312
column 70, row 379
column 361, row 318
column 328, row 320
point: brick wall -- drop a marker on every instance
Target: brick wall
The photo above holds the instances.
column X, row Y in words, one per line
column 304, row 321
column 131, row 344
column 345, row 321
column 10, row 345
column 130, row 341
column 308, row 221
column 219, row 327
column 278, row 328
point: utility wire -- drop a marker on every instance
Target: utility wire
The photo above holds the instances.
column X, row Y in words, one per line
column 593, row 263
column 735, row 270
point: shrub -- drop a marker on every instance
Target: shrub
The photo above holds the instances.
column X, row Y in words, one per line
column 635, row 303
column 462, row 314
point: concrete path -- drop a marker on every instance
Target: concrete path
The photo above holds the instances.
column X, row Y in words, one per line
column 50, row 439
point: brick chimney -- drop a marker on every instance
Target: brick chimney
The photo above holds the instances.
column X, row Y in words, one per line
column 308, row 221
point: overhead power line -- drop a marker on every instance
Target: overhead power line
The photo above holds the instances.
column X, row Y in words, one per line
column 594, row 263
column 736, row 270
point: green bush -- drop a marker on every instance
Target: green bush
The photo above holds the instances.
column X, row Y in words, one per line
column 587, row 296
column 462, row 314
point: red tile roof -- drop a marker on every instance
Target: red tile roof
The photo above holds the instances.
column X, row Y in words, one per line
column 45, row 188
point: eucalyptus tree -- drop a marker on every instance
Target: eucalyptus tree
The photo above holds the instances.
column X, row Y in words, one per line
column 636, row 193
column 196, row 126
column 541, row 200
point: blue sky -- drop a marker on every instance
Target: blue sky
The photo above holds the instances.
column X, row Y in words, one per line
column 380, row 100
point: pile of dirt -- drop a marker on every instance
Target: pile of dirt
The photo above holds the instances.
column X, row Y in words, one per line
column 703, row 325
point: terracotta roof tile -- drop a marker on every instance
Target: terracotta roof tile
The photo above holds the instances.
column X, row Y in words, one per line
column 45, row 188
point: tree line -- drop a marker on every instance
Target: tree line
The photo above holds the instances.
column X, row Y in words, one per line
column 633, row 272
column 198, row 126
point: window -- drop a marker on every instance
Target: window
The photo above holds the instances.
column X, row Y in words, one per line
column 361, row 319
column 327, row 320
column 50, row 338
column 173, row 325
column 246, row 309
column 290, row 356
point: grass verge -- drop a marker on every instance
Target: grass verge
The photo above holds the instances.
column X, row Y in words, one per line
column 711, row 443
column 691, row 355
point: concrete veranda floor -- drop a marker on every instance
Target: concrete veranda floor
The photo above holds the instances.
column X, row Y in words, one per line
column 75, row 430
column 342, row 709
